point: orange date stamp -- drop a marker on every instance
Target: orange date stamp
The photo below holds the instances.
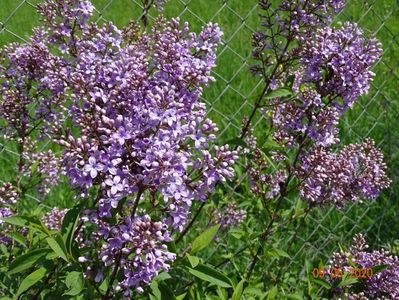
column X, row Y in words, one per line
column 337, row 272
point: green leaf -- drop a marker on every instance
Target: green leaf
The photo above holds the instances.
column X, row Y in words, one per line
column 194, row 260
column 27, row 222
column 34, row 167
column 204, row 239
column 272, row 293
column 222, row 293
column 4, row 249
column 211, row 275
column 238, row 290
column 104, row 285
column 30, row 280
column 58, row 247
column 156, row 293
column 295, row 297
column 282, row 253
column 181, row 297
column 278, row 253
column 299, row 207
column 347, row 281
column 278, row 94
column 321, row 282
column 380, row 268
column 75, row 283
column 27, row 260
column 163, row 276
column 68, row 226
column 166, row 292
column 16, row 236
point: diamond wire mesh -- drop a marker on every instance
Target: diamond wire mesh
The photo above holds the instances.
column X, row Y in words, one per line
column 230, row 98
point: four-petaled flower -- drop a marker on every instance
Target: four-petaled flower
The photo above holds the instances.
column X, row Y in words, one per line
column 93, row 167
column 121, row 135
column 116, row 184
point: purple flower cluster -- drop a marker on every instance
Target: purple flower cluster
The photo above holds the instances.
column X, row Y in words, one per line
column 357, row 172
column 288, row 20
column 143, row 128
column 334, row 64
column 306, row 116
column 64, row 18
column 53, row 219
column 382, row 285
column 31, row 82
column 49, row 167
column 333, row 70
column 230, row 217
column 305, row 15
column 138, row 247
column 338, row 62
column 263, row 180
column 8, row 199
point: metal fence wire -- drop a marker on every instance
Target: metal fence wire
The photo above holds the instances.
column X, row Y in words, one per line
column 231, row 98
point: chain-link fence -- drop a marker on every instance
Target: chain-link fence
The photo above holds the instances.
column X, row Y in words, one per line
column 231, row 98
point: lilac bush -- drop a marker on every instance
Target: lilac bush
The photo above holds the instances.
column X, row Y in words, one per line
column 144, row 134
column 312, row 73
column 320, row 72
column 116, row 115
column 140, row 132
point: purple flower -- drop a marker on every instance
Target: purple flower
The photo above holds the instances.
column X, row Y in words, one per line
column 93, row 167
column 116, row 184
column 121, row 135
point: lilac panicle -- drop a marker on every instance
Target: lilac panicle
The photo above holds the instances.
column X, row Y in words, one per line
column 338, row 61
column 383, row 285
column 8, row 199
column 53, row 219
column 307, row 15
column 149, row 130
column 138, row 246
column 356, row 173
column 230, row 216
column 306, row 116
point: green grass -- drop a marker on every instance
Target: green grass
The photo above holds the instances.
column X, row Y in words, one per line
column 230, row 97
